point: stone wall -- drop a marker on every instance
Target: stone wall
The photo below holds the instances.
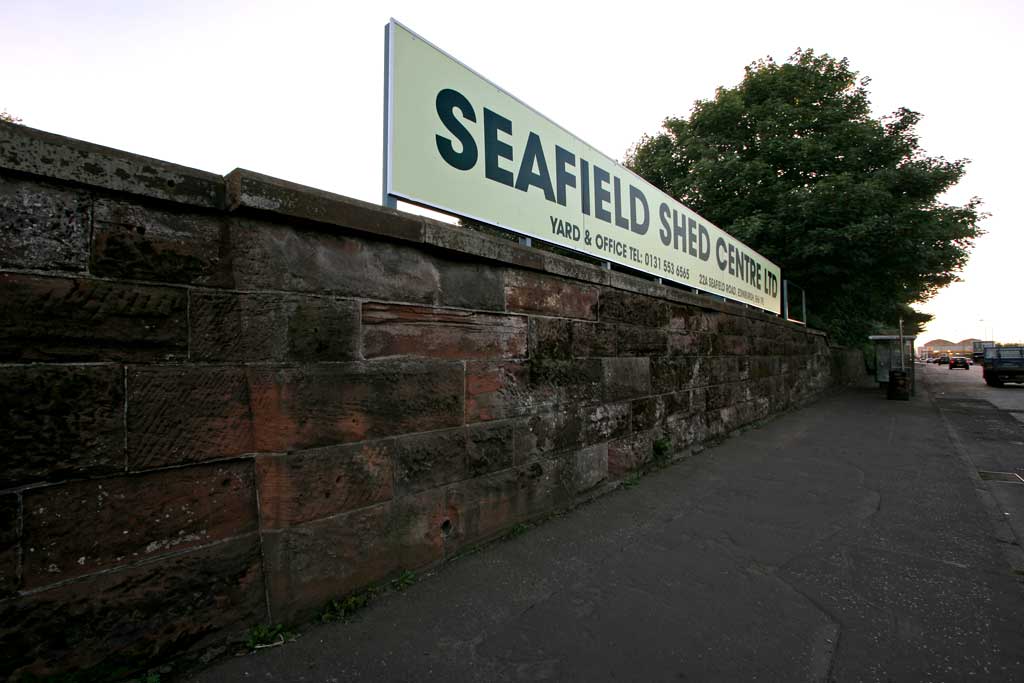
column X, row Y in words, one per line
column 226, row 401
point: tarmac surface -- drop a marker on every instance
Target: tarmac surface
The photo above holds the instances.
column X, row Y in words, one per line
column 851, row 540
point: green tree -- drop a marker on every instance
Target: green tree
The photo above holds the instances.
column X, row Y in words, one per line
column 791, row 162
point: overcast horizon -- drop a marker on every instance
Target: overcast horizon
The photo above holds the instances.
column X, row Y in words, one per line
column 295, row 90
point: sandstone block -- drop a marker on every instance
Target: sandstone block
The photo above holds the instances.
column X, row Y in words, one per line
column 269, row 256
column 311, row 564
column 309, row 406
column 308, row 485
column 465, row 284
column 613, row 339
column 690, row 343
column 675, row 372
column 109, row 625
column 135, row 242
column 394, row 330
column 548, row 433
column 479, row 243
column 551, row 338
column 605, row 421
column 590, row 467
column 647, row 413
column 625, row 378
column 35, row 152
column 181, row 414
column 629, row 454
column 64, row 319
column 133, row 518
column 490, row 447
column 528, row 292
column 426, row 461
column 254, row 191
column 43, row 227
column 481, row 508
column 273, row 327
column 60, row 421
column 10, row 515
column 635, row 309
column 594, row 339
column 498, row 390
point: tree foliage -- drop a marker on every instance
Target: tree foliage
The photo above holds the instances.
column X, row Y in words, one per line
column 8, row 118
column 791, row 162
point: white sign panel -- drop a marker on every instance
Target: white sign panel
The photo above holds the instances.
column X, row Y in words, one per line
column 457, row 143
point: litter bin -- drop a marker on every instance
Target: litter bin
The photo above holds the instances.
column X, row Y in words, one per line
column 899, row 386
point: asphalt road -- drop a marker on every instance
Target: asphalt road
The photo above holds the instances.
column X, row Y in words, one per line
column 969, row 384
column 852, row 540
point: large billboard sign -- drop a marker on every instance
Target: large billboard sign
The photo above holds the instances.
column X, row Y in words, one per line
column 456, row 142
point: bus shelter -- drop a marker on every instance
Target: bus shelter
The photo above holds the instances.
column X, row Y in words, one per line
column 894, row 364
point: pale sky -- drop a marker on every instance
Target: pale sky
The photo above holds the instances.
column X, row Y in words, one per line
column 295, row 89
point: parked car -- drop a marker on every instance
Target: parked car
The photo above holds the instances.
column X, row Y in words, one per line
column 1004, row 364
column 943, row 359
column 959, row 362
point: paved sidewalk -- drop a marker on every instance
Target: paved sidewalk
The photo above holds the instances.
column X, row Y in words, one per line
column 845, row 541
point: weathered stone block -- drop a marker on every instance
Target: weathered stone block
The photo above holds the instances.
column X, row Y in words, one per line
column 590, row 467
column 735, row 345
column 477, row 243
column 416, row 529
column 309, row 565
column 133, row 518
column 647, row 413
column 718, row 395
column 490, row 447
column 90, row 320
column 181, row 414
column 465, row 284
column 629, row 454
column 38, row 153
column 613, row 339
column 58, row 422
column 675, row 373
column 690, row 343
column 111, row 625
column 547, row 433
column 273, row 327
column 136, row 242
column 323, row 405
column 10, row 570
column 551, row 338
column 534, row 293
column 249, row 190
column 426, row 461
column 43, row 227
column 269, row 256
column 482, row 508
column 691, row 431
column 641, row 341
column 393, row 330
column 626, row 378
column 498, row 390
column 605, row 421
column 635, row 309
column 594, row 339
column 308, row 485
